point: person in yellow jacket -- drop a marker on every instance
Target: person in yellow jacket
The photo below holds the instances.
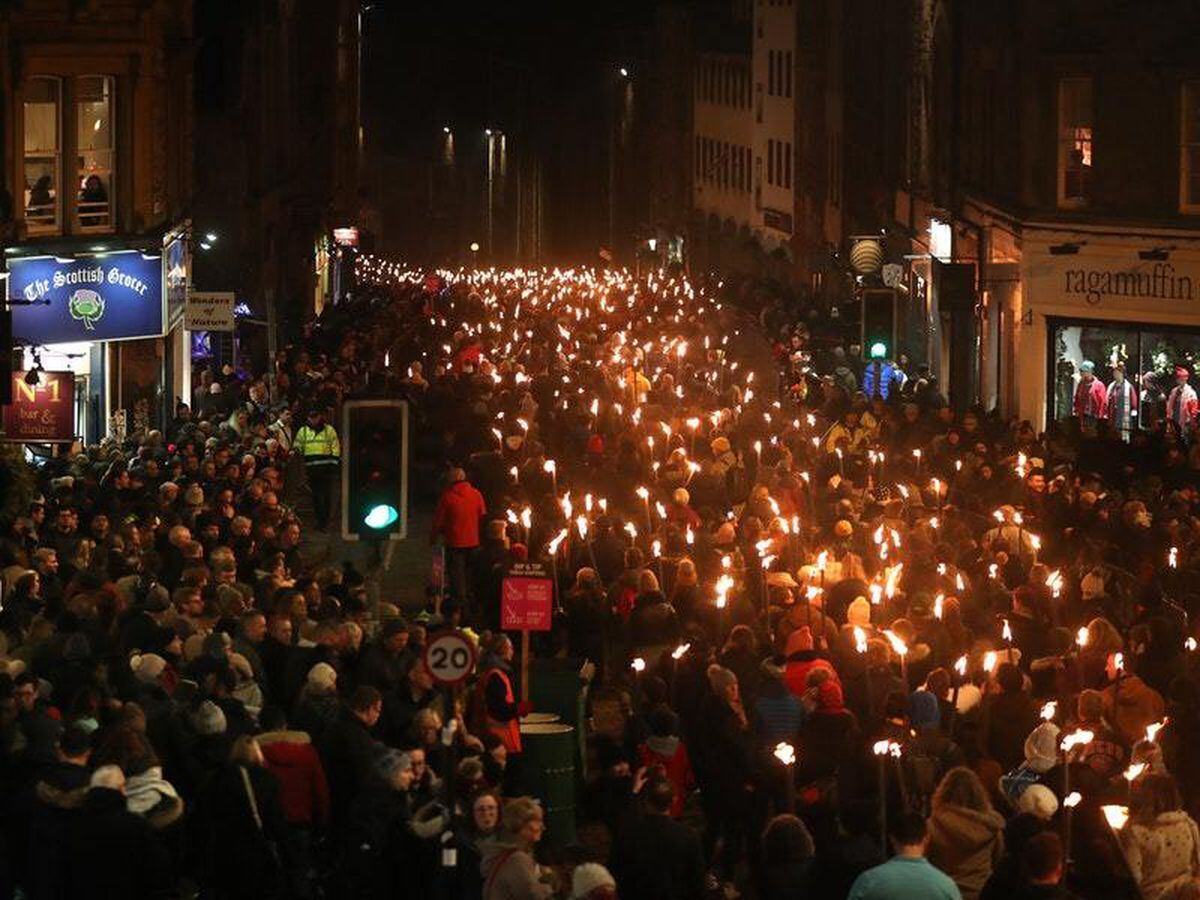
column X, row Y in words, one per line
column 318, row 443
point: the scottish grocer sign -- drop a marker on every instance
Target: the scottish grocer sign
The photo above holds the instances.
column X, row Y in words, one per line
column 112, row 296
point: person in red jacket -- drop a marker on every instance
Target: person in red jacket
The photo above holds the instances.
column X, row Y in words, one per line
column 1090, row 397
column 456, row 522
column 664, row 751
column 303, row 791
column 802, row 658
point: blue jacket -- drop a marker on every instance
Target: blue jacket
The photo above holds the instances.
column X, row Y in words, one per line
column 882, row 373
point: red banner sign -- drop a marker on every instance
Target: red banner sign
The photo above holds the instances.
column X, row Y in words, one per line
column 42, row 412
column 526, row 604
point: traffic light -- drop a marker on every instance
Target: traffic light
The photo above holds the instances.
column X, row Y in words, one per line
column 375, row 472
column 879, row 323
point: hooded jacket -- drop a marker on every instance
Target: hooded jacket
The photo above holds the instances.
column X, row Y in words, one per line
column 671, row 754
column 509, row 872
column 303, row 790
column 457, row 516
column 1130, row 705
column 965, row 844
column 803, row 659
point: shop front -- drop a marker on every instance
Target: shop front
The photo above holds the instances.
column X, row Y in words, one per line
column 1102, row 302
column 103, row 316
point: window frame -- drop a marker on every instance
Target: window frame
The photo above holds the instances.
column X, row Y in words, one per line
column 60, row 217
column 76, row 216
column 1189, row 90
column 1064, row 142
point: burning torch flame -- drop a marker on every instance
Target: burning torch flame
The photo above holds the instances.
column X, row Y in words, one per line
column 785, row 753
column 1116, row 816
column 1077, row 739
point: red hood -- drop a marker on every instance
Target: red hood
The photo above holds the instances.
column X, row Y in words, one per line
column 287, row 748
column 460, row 489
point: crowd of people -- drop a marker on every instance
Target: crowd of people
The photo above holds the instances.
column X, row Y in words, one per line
column 836, row 639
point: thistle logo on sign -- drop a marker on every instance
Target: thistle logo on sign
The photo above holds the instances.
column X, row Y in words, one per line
column 103, row 297
column 86, row 306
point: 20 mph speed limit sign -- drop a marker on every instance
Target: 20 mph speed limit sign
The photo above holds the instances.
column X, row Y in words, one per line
column 449, row 657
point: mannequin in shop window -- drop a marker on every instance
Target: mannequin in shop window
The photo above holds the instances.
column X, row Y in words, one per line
column 1182, row 405
column 1090, row 396
column 1121, row 405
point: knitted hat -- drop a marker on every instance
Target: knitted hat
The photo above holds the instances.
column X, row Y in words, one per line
column 843, row 529
column 720, row 445
column 590, row 877
column 859, row 612
column 1038, row 800
column 194, row 496
column 322, row 677
column 726, row 534
column 923, row 709
column 146, row 667
column 1041, row 747
column 208, row 719
column 681, row 497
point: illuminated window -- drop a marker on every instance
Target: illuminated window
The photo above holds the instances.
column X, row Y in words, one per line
column 1074, row 141
column 1189, row 176
column 94, row 142
column 43, row 147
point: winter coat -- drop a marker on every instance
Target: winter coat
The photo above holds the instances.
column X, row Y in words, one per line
column 1162, row 856
column 347, row 752
column 726, row 765
column 670, row 754
column 303, row 790
column 1009, row 718
column 152, row 797
column 1130, row 705
column 457, row 516
column 510, row 873
column 112, row 854
column 375, row 856
column 58, row 798
column 799, row 665
column 657, row 858
column 965, row 844
column 238, row 858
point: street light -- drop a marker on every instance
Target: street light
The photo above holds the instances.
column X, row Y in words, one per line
column 474, row 246
column 445, row 129
column 624, row 72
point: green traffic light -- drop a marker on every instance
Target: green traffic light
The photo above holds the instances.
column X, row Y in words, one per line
column 381, row 516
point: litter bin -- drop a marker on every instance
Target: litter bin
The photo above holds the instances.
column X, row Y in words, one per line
column 548, row 773
column 557, row 688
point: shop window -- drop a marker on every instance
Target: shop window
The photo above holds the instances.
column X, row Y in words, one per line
column 94, row 142
column 1189, row 175
column 43, row 148
column 1148, row 354
column 1074, row 141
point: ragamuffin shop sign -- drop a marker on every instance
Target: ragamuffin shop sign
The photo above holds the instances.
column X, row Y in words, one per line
column 1117, row 278
column 42, row 412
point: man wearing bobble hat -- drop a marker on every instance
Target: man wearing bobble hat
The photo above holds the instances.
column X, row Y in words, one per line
column 1182, row 404
column 1090, row 397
